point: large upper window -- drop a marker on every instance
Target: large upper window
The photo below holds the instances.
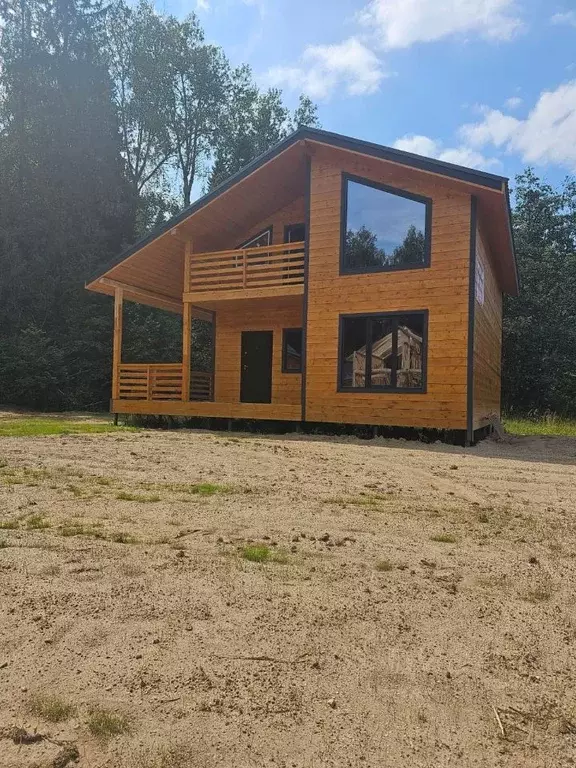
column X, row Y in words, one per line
column 383, row 352
column 383, row 228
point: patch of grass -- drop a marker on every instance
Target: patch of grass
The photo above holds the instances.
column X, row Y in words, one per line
column 37, row 523
column 104, row 724
column 77, row 529
column 142, row 498
column 54, row 425
column 78, row 492
column 9, row 525
column 384, row 565
column 103, row 481
column 119, row 537
column 4, row 544
column 256, row 553
column 544, row 425
column 194, row 489
column 53, row 709
column 445, row 538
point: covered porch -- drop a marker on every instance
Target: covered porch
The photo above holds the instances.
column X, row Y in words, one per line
column 178, row 389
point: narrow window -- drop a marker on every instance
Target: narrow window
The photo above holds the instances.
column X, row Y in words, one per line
column 382, row 228
column 292, row 350
column 384, row 352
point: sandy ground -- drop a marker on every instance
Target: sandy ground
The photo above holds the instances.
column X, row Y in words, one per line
column 362, row 642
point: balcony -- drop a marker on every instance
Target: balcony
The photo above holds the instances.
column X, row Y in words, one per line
column 271, row 270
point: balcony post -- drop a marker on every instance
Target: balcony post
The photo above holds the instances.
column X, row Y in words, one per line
column 117, row 342
column 186, row 325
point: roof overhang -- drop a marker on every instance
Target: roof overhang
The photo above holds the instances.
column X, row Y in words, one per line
column 155, row 264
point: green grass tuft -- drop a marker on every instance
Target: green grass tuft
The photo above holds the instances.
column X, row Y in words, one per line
column 103, row 723
column 53, row 425
column 37, row 522
column 77, row 529
column 9, row 525
column 50, row 708
column 256, row 553
column 544, row 425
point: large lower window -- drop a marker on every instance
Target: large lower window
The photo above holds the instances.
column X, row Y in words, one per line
column 383, row 228
column 383, row 352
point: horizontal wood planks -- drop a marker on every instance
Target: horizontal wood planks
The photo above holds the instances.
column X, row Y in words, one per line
column 442, row 289
column 487, row 340
column 286, row 387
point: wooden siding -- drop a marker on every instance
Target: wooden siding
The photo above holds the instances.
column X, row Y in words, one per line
column 487, row 340
column 273, row 411
column 293, row 213
column 442, row 289
column 256, row 316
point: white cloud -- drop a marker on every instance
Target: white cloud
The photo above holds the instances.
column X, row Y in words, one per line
column 564, row 18
column 322, row 69
column 461, row 155
column 513, row 102
column 401, row 23
column 545, row 136
column 202, row 5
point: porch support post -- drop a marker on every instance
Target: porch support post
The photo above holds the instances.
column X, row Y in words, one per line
column 186, row 325
column 117, row 342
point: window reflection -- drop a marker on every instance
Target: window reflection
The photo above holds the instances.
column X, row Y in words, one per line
column 383, row 229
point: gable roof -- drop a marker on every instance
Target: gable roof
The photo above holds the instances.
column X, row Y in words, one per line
column 480, row 179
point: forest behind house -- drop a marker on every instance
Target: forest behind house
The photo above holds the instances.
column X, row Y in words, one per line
column 112, row 118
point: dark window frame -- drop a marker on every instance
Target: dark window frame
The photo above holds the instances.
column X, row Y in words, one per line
column 427, row 201
column 341, row 387
column 285, row 368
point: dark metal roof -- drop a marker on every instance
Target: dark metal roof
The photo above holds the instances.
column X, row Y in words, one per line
column 458, row 172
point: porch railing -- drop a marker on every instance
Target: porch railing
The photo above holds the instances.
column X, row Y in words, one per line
column 160, row 381
column 266, row 267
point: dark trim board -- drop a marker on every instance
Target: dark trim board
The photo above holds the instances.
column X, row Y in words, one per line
column 383, row 390
column 307, row 198
column 471, row 311
column 426, row 201
column 450, row 170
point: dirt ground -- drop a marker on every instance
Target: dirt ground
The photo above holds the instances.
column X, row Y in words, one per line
column 416, row 607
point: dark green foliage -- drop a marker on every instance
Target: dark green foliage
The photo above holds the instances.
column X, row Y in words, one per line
column 108, row 113
column 540, row 325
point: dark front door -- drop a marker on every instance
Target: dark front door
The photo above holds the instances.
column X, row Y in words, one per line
column 256, row 367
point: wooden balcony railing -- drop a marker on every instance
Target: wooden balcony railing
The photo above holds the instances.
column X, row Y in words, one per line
column 269, row 266
column 160, row 381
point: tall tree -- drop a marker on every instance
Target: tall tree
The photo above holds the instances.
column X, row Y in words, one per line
column 196, row 99
column 64, row 206
column 540, row 324
column 139, row 60
column 252, row 123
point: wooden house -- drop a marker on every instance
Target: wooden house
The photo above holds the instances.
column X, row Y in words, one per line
column 344, row 282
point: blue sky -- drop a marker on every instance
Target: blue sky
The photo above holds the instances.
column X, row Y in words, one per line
column 485, row 83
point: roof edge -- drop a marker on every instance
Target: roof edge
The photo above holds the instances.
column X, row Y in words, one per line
column 419, row 162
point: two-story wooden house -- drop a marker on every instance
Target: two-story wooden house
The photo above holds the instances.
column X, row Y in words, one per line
column 345, row 282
